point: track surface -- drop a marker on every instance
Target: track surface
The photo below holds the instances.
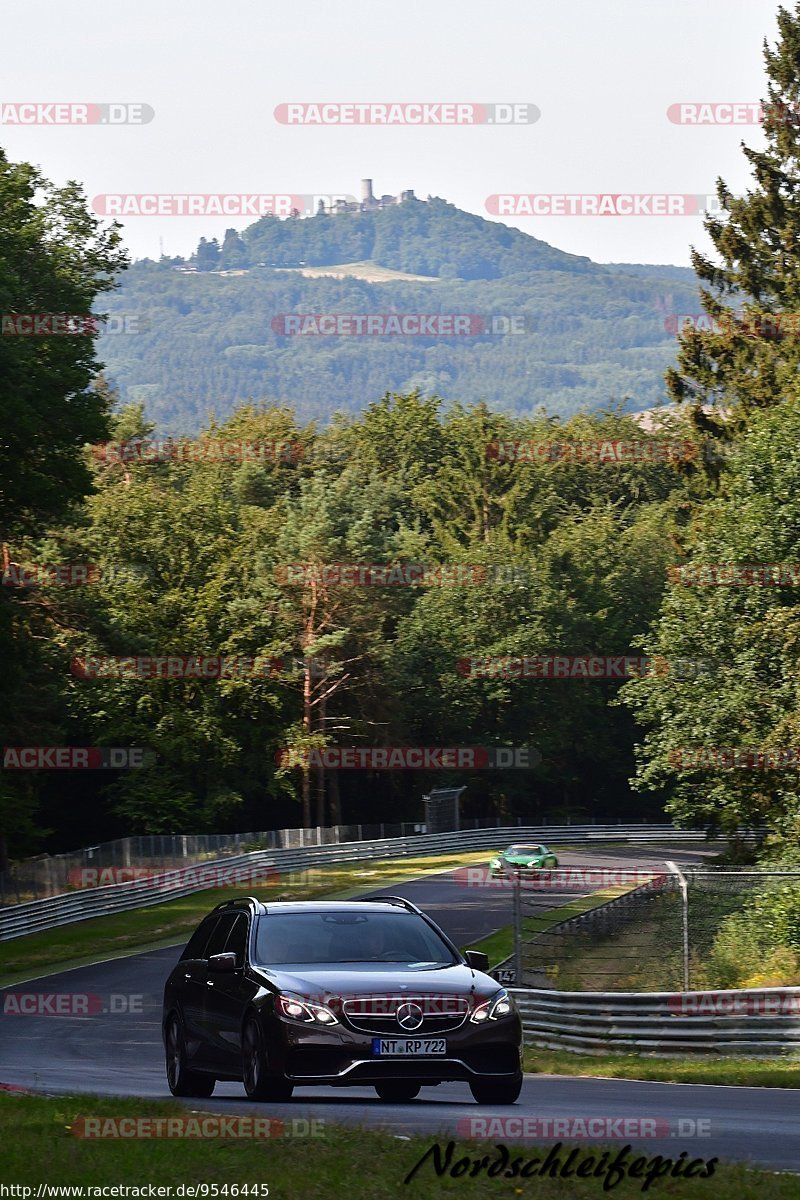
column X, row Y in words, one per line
column 120, row 1053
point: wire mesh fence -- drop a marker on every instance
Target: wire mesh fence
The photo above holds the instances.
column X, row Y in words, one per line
column 641, row 930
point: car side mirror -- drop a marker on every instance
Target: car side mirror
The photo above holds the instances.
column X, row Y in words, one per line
column 477, row 960
column 222, row 962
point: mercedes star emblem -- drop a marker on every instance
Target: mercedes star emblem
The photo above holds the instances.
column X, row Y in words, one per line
column 409, row 1016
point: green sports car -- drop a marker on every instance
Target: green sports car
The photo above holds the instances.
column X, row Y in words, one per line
column 522, row 858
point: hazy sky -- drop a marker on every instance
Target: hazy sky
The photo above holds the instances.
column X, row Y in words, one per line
column 602, row 72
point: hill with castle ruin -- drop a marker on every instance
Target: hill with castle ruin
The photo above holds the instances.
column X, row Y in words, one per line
column 482, row 311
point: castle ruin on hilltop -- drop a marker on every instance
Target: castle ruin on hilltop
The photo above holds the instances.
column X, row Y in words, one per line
column 369, row 202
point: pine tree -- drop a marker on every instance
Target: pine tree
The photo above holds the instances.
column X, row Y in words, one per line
column 750, row 358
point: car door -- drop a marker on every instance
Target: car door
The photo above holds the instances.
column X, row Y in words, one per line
column 190, row 986
column 226, row 996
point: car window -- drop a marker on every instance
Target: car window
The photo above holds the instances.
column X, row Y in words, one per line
column 237, row 939
column 334, row 937
column 196, row 946
column 220, row 935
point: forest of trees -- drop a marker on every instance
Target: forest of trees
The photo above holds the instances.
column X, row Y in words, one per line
column 191, row 558
column 580, row 555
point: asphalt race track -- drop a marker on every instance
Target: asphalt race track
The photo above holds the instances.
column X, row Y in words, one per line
column 119, row 1052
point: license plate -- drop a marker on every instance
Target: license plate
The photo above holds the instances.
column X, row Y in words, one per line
column 409, row 1046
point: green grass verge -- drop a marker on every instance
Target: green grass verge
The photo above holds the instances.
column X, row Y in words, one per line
column 166, row 924
column 741, row 1072
column 40, row 1146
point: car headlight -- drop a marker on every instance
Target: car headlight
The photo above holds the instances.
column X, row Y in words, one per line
column 296, row 1008
column 499, row 1006
column 495, row 863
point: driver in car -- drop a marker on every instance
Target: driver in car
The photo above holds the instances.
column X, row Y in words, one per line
column 373, row 942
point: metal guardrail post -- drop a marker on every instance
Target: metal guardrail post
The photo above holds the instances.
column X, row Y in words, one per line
column 675, row 869
column 517, row 898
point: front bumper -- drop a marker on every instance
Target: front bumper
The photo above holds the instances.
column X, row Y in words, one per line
column 344, row 1057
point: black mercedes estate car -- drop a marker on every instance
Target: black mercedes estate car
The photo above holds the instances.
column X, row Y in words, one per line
column 367, row 992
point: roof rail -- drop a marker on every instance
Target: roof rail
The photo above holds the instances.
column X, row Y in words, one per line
column 401, row 900
column 236, row 900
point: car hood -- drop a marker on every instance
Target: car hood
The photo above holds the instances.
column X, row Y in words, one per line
column 523, row 859
column 374, row 978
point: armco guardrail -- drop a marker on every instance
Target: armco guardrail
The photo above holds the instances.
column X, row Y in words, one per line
column 19, row 919
column 747, row 1023
column 52, row 874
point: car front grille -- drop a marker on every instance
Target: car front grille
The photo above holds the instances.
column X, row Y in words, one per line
column 378, row 1014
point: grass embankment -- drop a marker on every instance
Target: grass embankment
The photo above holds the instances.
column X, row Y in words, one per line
column 40, row 1146
column 730, row 1072
column 166, row 924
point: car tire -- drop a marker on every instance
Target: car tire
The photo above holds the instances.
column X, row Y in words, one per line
column 259, row 1084
column 396, row 1091
column 182, row 1081
column 498, row 1089
column 552, row 863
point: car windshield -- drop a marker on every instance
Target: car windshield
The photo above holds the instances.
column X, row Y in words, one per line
column 340, row 937
column 516, row 851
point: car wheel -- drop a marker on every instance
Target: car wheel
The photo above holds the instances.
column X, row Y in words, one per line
column 258, row 1083
column 497, row 1089
column 182, row 1081
column 552, row 862
column 395, row 1091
